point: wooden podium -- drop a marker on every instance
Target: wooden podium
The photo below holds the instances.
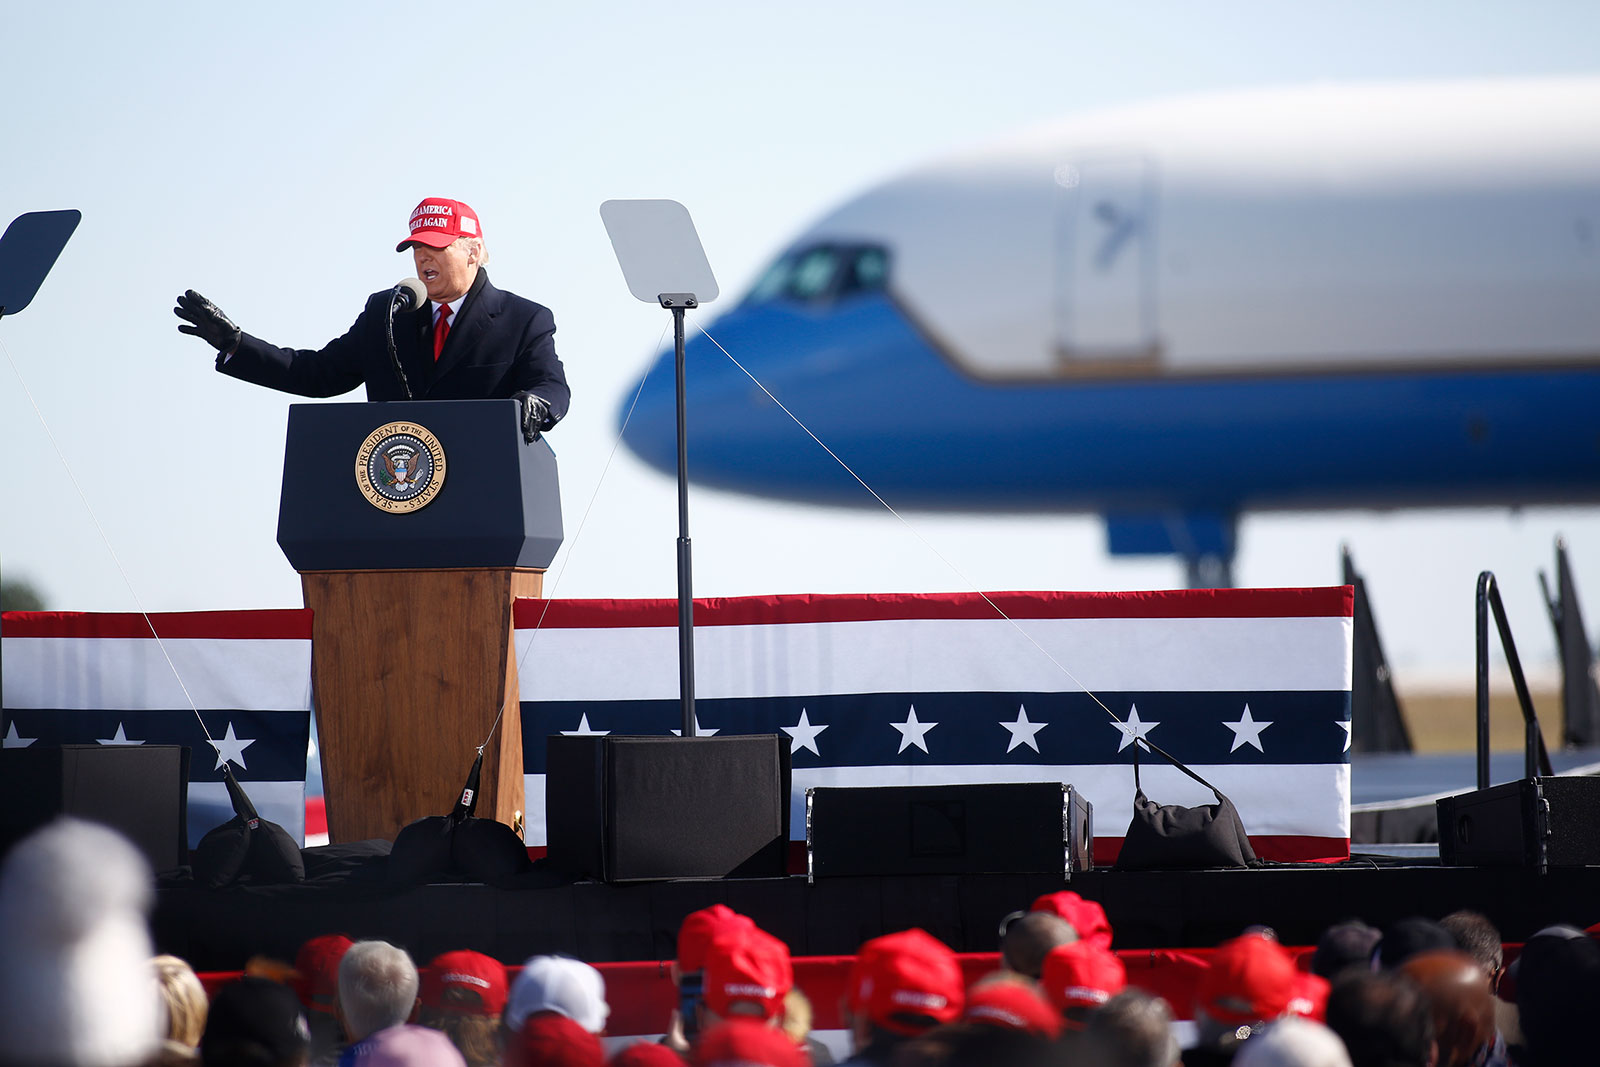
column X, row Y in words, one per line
column 414, row 526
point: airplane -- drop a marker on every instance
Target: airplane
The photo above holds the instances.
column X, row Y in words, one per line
column 1170, row 313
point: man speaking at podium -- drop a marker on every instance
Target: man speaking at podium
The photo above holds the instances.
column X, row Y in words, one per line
column 467, row 341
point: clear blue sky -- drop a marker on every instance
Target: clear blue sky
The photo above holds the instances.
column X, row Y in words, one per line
column 268, row 155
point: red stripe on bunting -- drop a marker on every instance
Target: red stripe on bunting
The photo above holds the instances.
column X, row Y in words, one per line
column 271, row 624
column 1320, row 602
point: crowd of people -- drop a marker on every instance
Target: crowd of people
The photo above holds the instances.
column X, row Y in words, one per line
column 79, row 988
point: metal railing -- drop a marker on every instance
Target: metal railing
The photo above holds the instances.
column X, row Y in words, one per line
column 1536, row 759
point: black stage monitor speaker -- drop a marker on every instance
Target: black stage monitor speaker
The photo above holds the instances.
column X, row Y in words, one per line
column 627, row 809
column 1010, row 828
column 141, row 790
column 1535, row 822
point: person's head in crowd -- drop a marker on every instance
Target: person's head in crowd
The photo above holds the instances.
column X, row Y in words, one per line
column 1463, row 1007
column 1132, row 1029
column 1479, row 938
column 1079, row 978
column 551, row 1039
column 645, row 1054
column 966, row 1044
column 1251, row 980
column 462, row 996
column 316, row 968
column 746, row 1042
column 1294, row 1042
column 1028, row 939
column 1558, row 986
column 1343, row 946
column 404, row 1046
column 901, row 985
column 698, row 930
column 255, row 1022
column 75, row 980
column 1087, row 917
column 377, row 988
column 185, row 1000
column 316, row 980
column 1383, row 1019
column 797, row 1017
column 560, row 984
column 695, row 934
column 1010, row 1003
column 1405, row 938
column 747, row 974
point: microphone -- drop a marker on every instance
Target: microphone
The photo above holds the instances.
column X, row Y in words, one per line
column 409, row 294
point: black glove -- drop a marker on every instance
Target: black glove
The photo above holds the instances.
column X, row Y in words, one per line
column 209, row 323
column 535, row 416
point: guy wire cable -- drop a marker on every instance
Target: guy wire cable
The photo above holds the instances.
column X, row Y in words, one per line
column 1148, row 745
column 82, row 496
column 572, row 546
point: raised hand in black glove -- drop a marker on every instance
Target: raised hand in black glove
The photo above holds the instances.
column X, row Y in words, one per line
column 535, row 416
column 207, row 322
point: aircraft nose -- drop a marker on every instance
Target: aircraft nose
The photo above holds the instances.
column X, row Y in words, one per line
column 734, row 428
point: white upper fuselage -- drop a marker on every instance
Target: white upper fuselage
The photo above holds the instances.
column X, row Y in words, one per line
column 1453, row 224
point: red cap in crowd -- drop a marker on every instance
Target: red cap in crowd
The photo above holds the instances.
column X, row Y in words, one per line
column 437, row 222
column 1087, row 917
column 467, row 970
column 646, row 1054
column 1082, row 975
column 743, row 1042
column 911, row 973
column 550, row 1039
column 316, row 968
column 702, row 927
column 1012, row 1006
column 747, row 967
column 1252, row 978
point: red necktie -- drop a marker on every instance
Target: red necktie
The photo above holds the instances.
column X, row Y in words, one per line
column 441, row 330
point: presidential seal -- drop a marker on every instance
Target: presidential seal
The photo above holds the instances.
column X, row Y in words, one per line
column 400, row 467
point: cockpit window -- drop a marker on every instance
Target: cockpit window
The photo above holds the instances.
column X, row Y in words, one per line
column 822, row 273
column 868, row 271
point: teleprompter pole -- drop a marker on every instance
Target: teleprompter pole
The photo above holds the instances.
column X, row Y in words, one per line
column 678, row 303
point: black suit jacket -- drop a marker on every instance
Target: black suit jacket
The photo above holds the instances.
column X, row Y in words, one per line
column 498, row 346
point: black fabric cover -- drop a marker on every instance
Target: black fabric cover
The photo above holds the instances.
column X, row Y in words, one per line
column 247, row 849
column 1173, row 837
column 441, row 849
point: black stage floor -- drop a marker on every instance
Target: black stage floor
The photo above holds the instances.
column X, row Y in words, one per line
column 221, row 929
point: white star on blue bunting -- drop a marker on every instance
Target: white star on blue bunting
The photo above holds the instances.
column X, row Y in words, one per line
column 1247, row 731
column 803, row 734
column 913, row 732
column 1023, row 732
column 1133, row 730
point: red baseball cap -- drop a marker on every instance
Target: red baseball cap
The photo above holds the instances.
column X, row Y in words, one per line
column 702, row 927
column 316, row 968
column 1087, row 917
column 646, row 1054
column 467, row 970
column 911, row 973
column 1082, row 975
column 550, row 1039
column 747, row 966
column 744, row 1042
column 1252, row 978
column 1011, row 1006
column 437, row 222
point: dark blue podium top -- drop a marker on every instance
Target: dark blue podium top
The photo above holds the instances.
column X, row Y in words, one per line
column 416, row 485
